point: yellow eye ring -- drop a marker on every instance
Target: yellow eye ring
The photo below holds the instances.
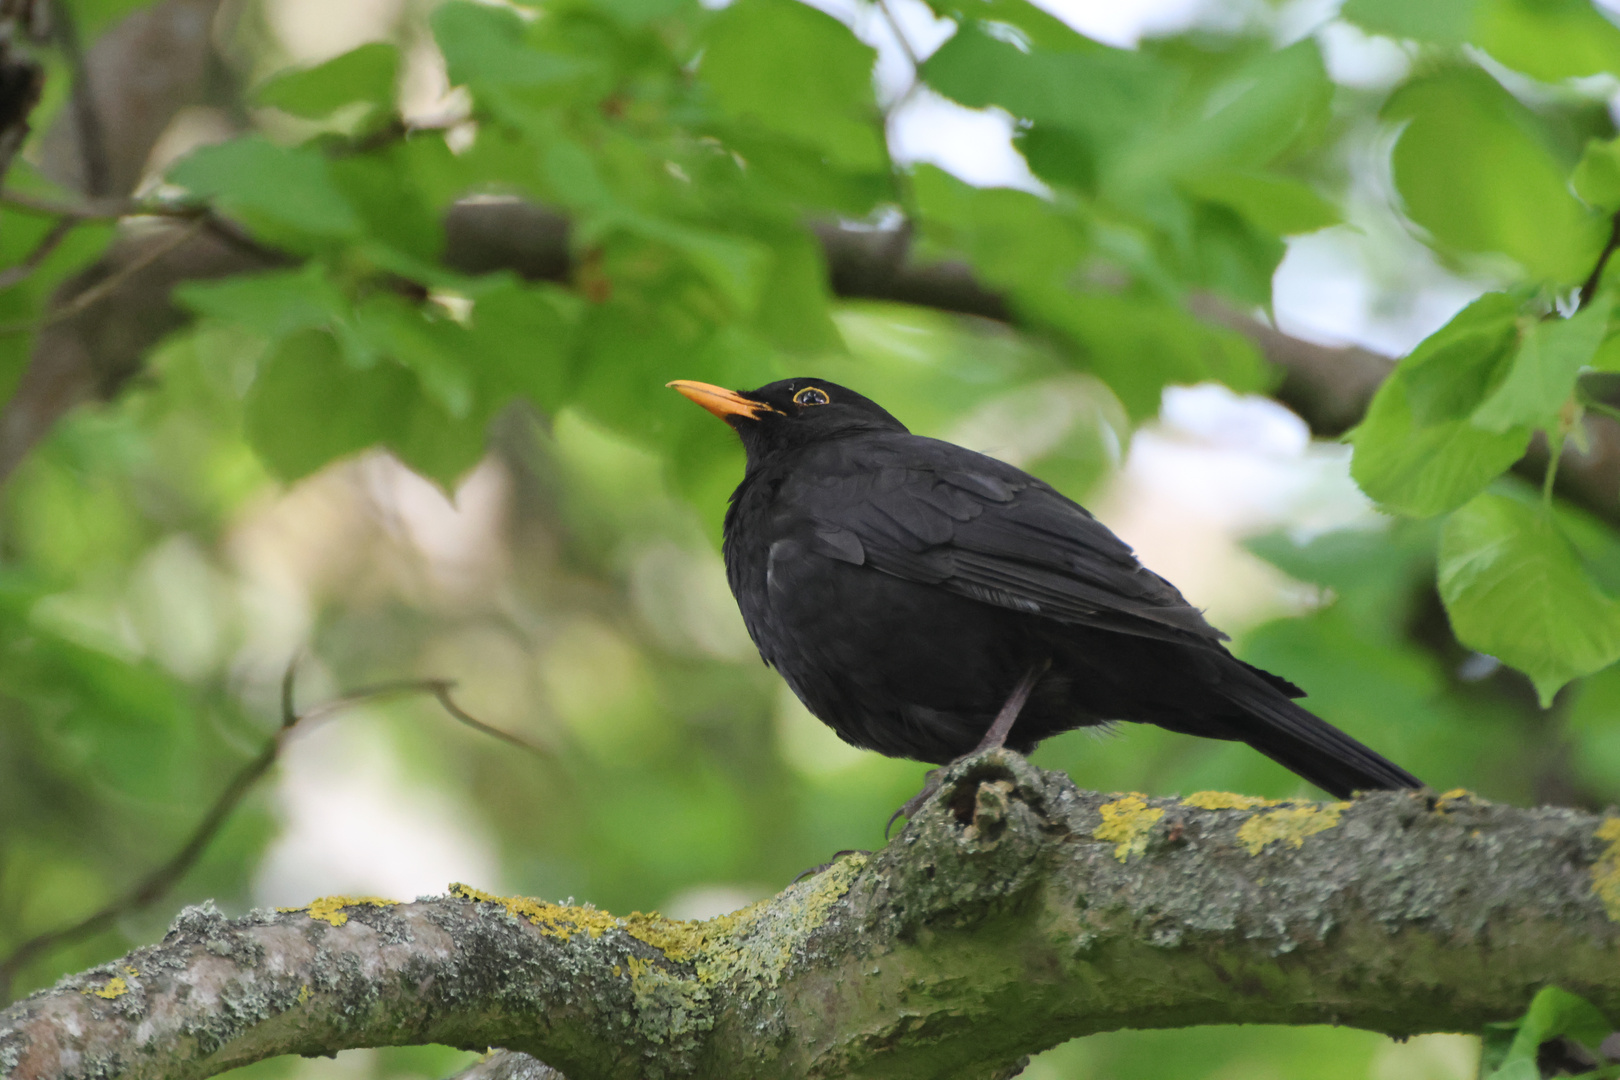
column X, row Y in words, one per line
column 811, row 395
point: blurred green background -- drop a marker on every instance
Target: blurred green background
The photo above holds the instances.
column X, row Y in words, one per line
column 387, row 463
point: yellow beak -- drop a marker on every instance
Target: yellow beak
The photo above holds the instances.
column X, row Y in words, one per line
column 720, row 402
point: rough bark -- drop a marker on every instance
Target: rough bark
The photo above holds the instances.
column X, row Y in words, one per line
column 1015, row 913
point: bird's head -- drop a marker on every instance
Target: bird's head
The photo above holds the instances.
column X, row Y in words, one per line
column 790, row 413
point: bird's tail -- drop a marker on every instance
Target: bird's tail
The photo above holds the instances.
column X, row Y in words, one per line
column 1304, row 743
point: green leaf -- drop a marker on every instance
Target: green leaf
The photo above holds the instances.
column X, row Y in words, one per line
column 308, row 406
column 406, row 334
column 1597, row 176
column 1014, row 239
column 523, row 337
column 1138, row 347
column 484, row 46
column 798, row 72
column 1279, row 204
column 1243, row 121
column 367, row 74
column 1550, row 40
column 1511, row 1048
column 1473, row 168
column 288, row 189
column 1100, row 95
column 1515, row 589
column 1552, row 352
column 1438, row 22
column 735, row 265
column 274, row 303
column 1417, row 450
column 386, row 193
column 1019, row 20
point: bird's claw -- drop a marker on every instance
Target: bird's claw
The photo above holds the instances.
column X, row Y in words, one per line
column 909, row 808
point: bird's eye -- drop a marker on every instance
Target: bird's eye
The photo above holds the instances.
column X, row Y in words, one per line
column 811, row 396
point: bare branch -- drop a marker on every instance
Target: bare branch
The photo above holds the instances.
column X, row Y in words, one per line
column 1015, row 913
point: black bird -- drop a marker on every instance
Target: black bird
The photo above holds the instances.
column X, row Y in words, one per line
column 925, row 601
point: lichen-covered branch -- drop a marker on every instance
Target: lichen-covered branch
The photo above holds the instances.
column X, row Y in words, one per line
column 1016, row 912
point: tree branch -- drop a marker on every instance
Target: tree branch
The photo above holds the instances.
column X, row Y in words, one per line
column 1015, row 913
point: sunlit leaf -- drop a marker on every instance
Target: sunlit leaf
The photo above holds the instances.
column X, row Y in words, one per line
column 1551, row 354
column 1440, row 22
column 1417, row 450
column 1515, row 589
column 1597, row 176
column 1283, row 205
column 1512, row 1048
column 1474, row 169
column 1550, row 40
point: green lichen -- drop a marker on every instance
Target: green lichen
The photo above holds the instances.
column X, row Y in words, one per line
column 1606, row 871
column 1126, row 823
column 1289, row 826
column 1225, row 800
column 329, row 909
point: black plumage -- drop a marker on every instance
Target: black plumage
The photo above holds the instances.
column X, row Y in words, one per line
column 904, row 586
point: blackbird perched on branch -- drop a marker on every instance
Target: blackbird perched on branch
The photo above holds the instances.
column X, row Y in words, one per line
column 926, row 601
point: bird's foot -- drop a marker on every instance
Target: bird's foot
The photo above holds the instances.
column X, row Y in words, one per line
column 909, row 808
column 819, row 867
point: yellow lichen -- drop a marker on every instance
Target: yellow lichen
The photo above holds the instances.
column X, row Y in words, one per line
column 115, row 987
column 757, row 941
column 1126, row 822
column 553, row 920
column 1291, row 825
column 1606, row 871
column 129, row 969
column 304, row 994
column 1225, row 800
column 330, row 908
column 1457, row 793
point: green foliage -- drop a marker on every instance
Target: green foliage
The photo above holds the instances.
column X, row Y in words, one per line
column 1510, row 1048
column 1475, row 168
column 1515, row 588
column 365, row 75
column 1419, row 450
column 798, row 74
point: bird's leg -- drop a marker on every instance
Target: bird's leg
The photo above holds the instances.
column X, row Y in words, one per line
column 994, row 739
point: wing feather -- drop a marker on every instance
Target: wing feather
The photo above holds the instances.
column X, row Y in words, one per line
column 940, row 514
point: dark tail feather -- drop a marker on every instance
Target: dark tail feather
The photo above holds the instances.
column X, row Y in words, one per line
column 1304, row 743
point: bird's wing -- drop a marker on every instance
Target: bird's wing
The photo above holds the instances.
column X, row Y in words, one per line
column 939, row 514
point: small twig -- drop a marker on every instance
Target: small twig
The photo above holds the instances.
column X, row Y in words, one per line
column 99, row 209
column 1555, row 450
column 161, row 879
column 48, row 243
column 899, row 35
column 1603, row 407
column 110, row 284
column 1590, row 288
